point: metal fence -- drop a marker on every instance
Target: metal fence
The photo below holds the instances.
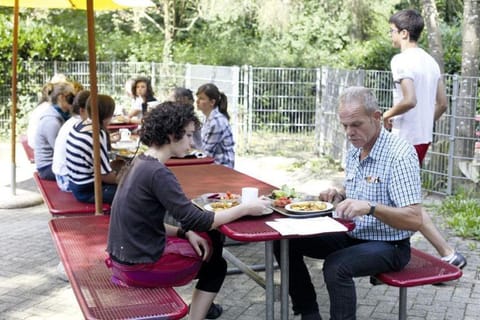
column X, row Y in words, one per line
column 282, row 111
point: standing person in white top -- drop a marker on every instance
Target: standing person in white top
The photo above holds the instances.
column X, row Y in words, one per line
column 59, row 165
column 419, row 100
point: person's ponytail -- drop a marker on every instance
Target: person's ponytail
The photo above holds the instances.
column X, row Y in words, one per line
column 223, row 105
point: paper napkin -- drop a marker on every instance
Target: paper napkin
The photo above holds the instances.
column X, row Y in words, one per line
column 308, row 226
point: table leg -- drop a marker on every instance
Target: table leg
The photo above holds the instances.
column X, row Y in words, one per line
column 270, row 289
column 284, row 270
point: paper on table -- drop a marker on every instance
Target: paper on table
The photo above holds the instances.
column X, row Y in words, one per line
column 308, row 226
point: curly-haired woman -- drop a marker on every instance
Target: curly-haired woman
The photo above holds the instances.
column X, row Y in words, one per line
column 146, row 252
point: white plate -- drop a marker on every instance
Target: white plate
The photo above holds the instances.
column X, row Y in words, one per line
column 210, row 208
column 130, row 144
column 288, row 207
column 265, row 212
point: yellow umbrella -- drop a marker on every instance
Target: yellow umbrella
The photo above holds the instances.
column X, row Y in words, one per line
column 77, row 4
column 90, row 6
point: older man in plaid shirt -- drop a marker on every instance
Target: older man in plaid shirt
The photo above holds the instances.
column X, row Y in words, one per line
column 382, row 194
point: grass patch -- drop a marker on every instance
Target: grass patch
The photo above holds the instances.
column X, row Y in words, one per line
column 462, row 214
column 317, row 166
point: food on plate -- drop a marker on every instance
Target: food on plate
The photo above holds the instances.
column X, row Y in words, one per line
column 222, row 205
column 229, row 196
column 223, row 196
column 308, row 206
column 119, row 119
column 285, row 191
column 125, row 152
column 282, row 197
column 282, row 202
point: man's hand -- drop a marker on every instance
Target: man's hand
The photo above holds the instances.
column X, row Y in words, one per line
column 332, row 195
column 350, row 208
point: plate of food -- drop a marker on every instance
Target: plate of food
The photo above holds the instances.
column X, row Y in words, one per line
column 283, row 196
column 220, row 196
column 119, row 119
column 129, row 144
column 303, row 207
column 220, row 205
column 223, row 205
column 125, row 153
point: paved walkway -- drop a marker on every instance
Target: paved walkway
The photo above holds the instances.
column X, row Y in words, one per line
column 30, row 288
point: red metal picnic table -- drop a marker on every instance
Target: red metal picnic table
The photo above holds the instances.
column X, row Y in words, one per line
column 198, row 180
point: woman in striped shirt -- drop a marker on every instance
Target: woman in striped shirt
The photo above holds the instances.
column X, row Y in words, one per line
column 80, row 155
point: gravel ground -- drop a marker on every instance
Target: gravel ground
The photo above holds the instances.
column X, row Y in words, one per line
column 297, row 173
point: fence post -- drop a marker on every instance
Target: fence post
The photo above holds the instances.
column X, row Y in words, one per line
column 188, row 76
column 153, row 75
column 235, row 80
column 249, row 79
column 318, row 109
column 361, row 77
column 451, row 145
column 114, row 77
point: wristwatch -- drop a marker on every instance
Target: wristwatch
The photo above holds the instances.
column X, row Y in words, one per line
column 372, row 205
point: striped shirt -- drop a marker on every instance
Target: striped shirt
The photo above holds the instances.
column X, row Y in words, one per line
column 389, row 175
column 80, row 154
column 217, row 139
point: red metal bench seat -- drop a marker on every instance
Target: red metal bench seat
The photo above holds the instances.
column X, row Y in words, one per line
column 422, row 269
column 62, row 203
column 28, row 150
column 81, row 243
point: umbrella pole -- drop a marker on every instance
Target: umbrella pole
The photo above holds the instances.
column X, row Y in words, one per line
column 13, row 110
column 93, row 96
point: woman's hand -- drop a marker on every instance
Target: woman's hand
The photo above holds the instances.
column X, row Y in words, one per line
column 257, row 207
column 199, row 244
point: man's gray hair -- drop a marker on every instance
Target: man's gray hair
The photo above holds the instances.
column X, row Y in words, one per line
column 359, row 96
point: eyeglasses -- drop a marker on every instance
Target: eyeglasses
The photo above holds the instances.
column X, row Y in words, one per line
column 394, row 31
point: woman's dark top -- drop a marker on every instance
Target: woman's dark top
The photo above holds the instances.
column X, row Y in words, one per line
column 147, row 192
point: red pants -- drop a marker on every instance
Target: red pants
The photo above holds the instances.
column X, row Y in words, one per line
column 178, row 265
column 421, row 151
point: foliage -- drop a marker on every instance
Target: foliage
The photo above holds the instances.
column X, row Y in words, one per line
column 39, row 40
column 301, row 33
column 452, row 47
column 462, row 214
column 347, row 34
column 372, row 54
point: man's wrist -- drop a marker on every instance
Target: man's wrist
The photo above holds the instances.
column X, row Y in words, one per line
column 341, row 195
column 373, row 206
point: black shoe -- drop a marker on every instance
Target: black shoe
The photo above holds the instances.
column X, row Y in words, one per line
column 457, row 260
column 311, row 316
column 214, row 311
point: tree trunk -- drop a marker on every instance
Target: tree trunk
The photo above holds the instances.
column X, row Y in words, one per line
column 433, row 32
column 466, row 107
column 169, row 21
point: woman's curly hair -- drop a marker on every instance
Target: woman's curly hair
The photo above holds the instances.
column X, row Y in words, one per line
column 168, row 118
